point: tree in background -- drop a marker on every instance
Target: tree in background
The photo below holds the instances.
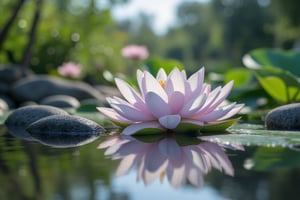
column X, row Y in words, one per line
column 83, row 32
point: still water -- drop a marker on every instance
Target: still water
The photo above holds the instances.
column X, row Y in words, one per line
column 115, row 167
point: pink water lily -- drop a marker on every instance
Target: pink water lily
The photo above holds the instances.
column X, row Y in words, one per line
column 165, row 158
column 135, row 52
column 69, row 69
column 165, row 101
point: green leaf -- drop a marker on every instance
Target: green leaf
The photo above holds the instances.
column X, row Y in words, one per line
column 285, row 60
column 241, row 77
column 279, row 84
column 247, row 134
column 154, row 64
column 218, row 126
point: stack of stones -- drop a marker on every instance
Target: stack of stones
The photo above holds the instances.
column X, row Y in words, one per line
column 39, row 104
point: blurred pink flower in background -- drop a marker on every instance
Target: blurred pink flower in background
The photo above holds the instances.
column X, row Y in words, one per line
column 69, row 69
column 135, row 52
column 166, row 101
column 167, row 158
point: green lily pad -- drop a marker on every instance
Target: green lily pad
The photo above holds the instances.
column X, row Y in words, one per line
column 254, row 135
column 285, row 60
column 208, row 127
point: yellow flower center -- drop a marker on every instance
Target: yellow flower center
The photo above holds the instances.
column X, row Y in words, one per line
column 162, row 176
column 162, row 83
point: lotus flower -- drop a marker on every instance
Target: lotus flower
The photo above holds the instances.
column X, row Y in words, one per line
column 135, row 52
column 166, row 101
column 167, row 158
column 69, row 69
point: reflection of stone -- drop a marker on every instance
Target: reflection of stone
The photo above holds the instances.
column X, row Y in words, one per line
column 285, row 117
column 167, row 158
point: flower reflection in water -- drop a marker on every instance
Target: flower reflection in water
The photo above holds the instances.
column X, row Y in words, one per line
column 166, row 158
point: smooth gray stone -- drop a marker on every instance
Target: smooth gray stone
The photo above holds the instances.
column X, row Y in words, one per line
column 35, row 88
column 4, row 87
column 61, row 101
column 10, row 74
column 65, row 130
column 9, row 101
column 285, row 117
column 22, row 117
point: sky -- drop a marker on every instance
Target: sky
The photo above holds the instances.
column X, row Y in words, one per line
column 163, row 11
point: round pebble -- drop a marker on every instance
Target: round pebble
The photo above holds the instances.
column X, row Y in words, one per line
column 24, row 116
column 61, row 101
column 65, row 130
column 285, row 117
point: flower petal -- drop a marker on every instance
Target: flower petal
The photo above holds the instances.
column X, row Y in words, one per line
column 157, row 105
column 133, row 128
column 176, row 102
column 113, row 115
column 130, row 94
column 161, row 75
column 220, row 97
column 131, row 113
column 216, row 114
column 193, row 105
column 170, row 121
column 150, row 84
column 195, row 81
column 175, row 82
column 234, row 111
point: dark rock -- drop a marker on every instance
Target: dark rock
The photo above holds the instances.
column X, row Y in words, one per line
column 108, row 91
column 285, row 117
column 11, row 104
column 4, row 88
column 65, row 130
column 12, row 74
column 61, row 101
column 36, row 88
column 22, row 117
column 26, row 115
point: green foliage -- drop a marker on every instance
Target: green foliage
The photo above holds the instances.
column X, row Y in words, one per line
column 281, row 85
column 285, row 60
column 277, row 71
column 251, row 134
column 154, row 64
column 242, row 77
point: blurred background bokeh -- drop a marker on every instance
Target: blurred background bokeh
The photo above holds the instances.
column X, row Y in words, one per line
column 43, row 34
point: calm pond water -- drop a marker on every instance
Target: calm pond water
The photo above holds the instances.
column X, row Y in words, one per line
column 127, row 168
